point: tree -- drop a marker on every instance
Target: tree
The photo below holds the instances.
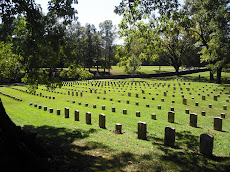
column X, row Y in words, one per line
column 9, row 62
column 208, row 20
column 107, row 31
column 175, row 44
column 41, row 48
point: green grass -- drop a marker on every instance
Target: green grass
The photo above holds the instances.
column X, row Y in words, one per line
column 76, row 145
column 116, row 70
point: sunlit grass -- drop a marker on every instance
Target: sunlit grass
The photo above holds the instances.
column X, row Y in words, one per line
column 126, row 152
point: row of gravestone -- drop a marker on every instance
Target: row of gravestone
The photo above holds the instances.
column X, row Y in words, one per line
column 13, row 97
column 206, row 140
column 171, row 115
column 34, row 93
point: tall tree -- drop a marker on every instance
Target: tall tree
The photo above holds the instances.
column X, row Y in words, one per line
column 107, row 31
column 208, row 20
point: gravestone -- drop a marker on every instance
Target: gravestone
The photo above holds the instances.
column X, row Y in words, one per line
column 206, row 144
column 215, row 98
column 88, row 117
column 196, row 104
column 218, row 123
column 147, row 105
column 203, row 97
column 45, row 108
column 224, row 107
column 125, row 111
column 102, row 120
column 193, row 120
column 187, row 111
column 153, row 116
column 58, row 111
column 137, row 95
column 76, row 115
column 210, row 105
column 137, row 103
column 118, row 128
column 159, row 107
column 142, row 130
column 171, row 116
column 222, row 115
column 113, row 109
column 138, row 114
column 169, row 138
column 94, row 106
column 184, row 101
column 51, row 110
column 203, row 113
column 66, row 112
column 103, row 107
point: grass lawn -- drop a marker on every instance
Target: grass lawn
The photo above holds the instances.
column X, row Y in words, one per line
column 78, row 146
column 116, row 70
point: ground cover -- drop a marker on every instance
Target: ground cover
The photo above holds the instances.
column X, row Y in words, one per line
column 76, row 145
column 116, row 70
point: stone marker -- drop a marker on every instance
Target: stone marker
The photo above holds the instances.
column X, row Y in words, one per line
column 171, row 116
column 118, row 128
column 173, row 101
column 193, row 120
column 45, row 108
column 196, row 104
column 218, row 123
column 172, row 109
column 58, row 111
column 76, row 115
column 162, row 99
column 125, row 111
column 137, row 103
column 203, row 113
column 113, row 109
column 127, row 101
column 154, row 116
column 169, row 139
column 215, row 98
column 138, row 114
column 103, row 107
column 206, row 144
column 159, row 106
column 137, row 95
column 94, row 106
column 187, row 111
column 203, row 97
column 35, row 105
column 88, row 117
column 66, row 112
column 102, row 120
column 51, row 110
column 210, row 105
column 222, row 115
column 79, row 103
column 184, row 101
column 142, row 130
column 147, row 105
column 224, row 107
column 40, row 107
column 86, row 104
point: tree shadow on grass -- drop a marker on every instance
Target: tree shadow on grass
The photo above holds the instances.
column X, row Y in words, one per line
column 187, row 157
column 68, row 153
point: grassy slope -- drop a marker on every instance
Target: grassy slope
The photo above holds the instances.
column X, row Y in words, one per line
column 87, row 147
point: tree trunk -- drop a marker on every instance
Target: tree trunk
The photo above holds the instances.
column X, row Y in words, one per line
column 176, row 69
column 218, row 76
column 211, row 76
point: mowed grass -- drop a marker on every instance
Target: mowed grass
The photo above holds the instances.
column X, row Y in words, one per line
column 116, row 70
column 78, row 146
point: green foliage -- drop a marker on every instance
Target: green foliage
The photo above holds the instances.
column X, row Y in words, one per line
column 76, row 72
column 10, row 65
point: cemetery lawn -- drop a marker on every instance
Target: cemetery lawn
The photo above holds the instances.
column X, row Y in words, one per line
column 116, row 70
column 74, row 145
